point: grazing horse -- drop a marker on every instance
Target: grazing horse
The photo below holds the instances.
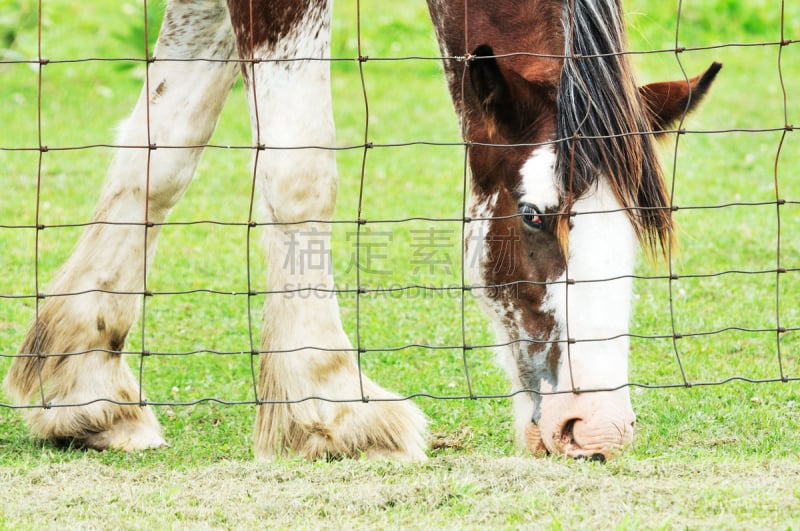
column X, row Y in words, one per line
column 564, row 180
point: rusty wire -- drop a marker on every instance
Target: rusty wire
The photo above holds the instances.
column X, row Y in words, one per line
column 360, row 222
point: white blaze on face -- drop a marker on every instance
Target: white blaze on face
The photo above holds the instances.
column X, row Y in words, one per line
column 602, row 245
column 538, row 179
column 594, row 311
column 602, row 253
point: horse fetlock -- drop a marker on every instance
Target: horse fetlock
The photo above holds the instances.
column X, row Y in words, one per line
column 127, row 436
column 99, row 425
column 87, row 392
column 323, row 429
column 379, row 430
column 388, row 429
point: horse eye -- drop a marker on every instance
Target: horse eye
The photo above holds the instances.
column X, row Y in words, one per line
column 531, row 216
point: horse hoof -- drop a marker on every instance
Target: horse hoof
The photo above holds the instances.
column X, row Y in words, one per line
column 126, row 437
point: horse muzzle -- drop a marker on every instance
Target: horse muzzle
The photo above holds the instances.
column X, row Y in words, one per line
column 596, row 426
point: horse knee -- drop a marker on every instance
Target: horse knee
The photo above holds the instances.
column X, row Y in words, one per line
column 301, row 185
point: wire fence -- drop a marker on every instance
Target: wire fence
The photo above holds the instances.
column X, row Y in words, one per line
column 428, row 240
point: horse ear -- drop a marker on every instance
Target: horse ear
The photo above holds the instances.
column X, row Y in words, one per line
column 506, row 99
column 487, row 81
column 667, row 101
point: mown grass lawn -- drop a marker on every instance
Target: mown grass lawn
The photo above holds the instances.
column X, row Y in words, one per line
column 704, row 456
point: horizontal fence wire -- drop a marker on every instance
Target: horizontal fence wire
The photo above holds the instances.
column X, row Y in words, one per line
column 363, row 292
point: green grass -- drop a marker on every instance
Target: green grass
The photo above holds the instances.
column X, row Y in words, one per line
column 464, row 492
column 721, row 456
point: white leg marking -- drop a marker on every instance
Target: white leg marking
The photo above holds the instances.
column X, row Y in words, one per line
column 294, row 110
column 184, row 102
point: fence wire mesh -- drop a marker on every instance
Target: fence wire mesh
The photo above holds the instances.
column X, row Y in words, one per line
column 397, row 251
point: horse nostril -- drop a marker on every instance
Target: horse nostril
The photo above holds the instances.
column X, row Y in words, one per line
column 567, row 435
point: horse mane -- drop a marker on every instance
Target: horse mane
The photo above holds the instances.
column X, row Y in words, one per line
column 601, row 124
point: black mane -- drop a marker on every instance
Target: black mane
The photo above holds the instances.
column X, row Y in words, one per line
column 601, row 125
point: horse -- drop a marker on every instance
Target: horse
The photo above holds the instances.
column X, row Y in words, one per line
column 565, row 185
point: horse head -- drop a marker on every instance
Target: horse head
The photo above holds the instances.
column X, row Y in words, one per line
column 565, row 186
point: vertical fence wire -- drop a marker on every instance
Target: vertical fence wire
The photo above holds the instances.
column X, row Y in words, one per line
column 146, row 224
column 360, row 221
column 465, row 348
column 38, row 224
column 779, row 202
column 250, row 63
column 670, row 243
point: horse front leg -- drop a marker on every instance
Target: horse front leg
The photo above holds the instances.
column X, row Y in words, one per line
column 309, row 381
column 72, row 352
